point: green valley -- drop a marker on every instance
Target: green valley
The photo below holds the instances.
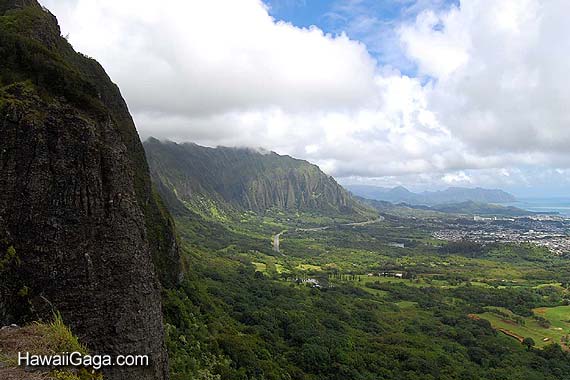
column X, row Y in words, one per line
column 345, row 302
column 359, row 295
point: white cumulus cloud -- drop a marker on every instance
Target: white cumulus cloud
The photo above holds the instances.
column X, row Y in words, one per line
column 490, row 95
column 498, row 72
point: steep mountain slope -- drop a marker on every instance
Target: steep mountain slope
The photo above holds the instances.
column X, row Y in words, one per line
column 81, row 229
column 244, row 179
column 450, row 195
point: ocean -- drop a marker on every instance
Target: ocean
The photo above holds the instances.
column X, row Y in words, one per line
column 560, row 205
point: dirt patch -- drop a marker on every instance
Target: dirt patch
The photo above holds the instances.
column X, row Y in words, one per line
column 14, row 340
column 21, row 374
column 511, row 334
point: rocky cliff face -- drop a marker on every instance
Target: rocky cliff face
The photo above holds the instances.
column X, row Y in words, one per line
column 243, row 178
column 81, row 228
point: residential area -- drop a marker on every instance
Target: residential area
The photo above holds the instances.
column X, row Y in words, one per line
column 552, row 232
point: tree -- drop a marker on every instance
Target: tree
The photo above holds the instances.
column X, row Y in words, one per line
column 529, row 343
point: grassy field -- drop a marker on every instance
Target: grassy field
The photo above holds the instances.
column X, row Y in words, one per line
column 260, row 267
column 528, row 327
column 558, row 316
column 309, row 267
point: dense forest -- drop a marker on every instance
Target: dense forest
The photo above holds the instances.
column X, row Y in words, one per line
column 230, row 320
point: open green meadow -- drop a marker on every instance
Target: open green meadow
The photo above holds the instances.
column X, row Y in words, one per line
column 555, row 328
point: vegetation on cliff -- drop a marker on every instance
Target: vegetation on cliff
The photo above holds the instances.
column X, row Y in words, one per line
column 41, row 338
column 211, row 180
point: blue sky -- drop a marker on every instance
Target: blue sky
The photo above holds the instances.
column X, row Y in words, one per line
column 373, row 22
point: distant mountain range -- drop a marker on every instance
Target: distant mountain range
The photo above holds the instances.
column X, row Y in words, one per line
column 448, row 196
column 466, row 208
column 197, row 177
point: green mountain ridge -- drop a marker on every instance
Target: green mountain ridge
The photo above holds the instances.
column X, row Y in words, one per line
column 220, row 179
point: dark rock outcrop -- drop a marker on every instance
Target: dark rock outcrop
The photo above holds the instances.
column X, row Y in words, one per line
column 82, row 231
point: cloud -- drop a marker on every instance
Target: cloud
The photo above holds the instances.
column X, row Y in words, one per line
column 499, row 73
column 207, row 57
column 457, row 178
column 490, row 92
